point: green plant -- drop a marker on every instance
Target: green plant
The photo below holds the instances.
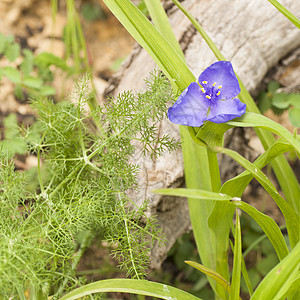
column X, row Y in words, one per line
column 82, row 188
column 279, row 102
column 33, row 73
column 212, row 205
column 73, row 37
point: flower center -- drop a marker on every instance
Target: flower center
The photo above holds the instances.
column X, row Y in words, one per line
column 212, row 92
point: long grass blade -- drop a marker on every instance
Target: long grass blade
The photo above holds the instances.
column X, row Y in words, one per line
column 132, row 286
column 268, row 225
column 237, row 261
column 286, row 12
column 212, row 274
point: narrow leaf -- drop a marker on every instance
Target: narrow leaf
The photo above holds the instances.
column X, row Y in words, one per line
column 244, row 272
column 291, row 217
column 286, row 12
column 260, row 121
column 237, row 185
column 161, row 22
column 280, row 278
column 132, row 286
column 268, row 225
column 211, row 273
column 237, row 261
column 193, row 193
column 12, row 74
column 152, row 41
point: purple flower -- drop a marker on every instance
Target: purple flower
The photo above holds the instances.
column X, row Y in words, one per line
column 213, row 101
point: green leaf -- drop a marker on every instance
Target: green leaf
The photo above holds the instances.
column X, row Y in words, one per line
column 286, row 12
column 46, row 59
column 212, row 134
column 273, row 86
column 260, row 121
column 161, row 22
column 280, row 100
column 193, row 193
column 132, row 286
column 294, row 100
column 143, row 8
column 152, row 41
column 27, row 64
column 212, row 274
column 294, row 116
column 291, row 217
column 12, row 74
column 237, row 185
column 11, row 127
column 264, row 102
column 32, row 82
column 12, row 142
column 246, row 277
column 237, row 261
column 12, row 51
column 18, row 91
column 46, row 90
column 280, row 278
column 2, row 43
column 293, row 292
column 268, row 225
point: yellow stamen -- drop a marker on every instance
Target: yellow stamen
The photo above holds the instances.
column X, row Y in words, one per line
column 214, row 83
column 218, row 93
column 208, row 97
column 204, row 82
column 203, row 90
column 219, row 87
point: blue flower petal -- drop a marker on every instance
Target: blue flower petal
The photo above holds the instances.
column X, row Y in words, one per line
column 222, row 74
column 190, row 108
column 226, row 110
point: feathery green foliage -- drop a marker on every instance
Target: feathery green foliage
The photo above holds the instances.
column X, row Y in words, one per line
column 83, row 185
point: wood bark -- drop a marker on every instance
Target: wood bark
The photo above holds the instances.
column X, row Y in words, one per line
column 254, row 36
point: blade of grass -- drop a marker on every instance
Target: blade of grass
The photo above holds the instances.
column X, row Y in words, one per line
column 237, row 261
column 237, row 185
column 212, row 274
column 268, row 225
column 169, row 61
column 132, row 286
column 194, row 193
column 244, row 273
column 257, row 120
column 161, row 22
column 286, row 12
